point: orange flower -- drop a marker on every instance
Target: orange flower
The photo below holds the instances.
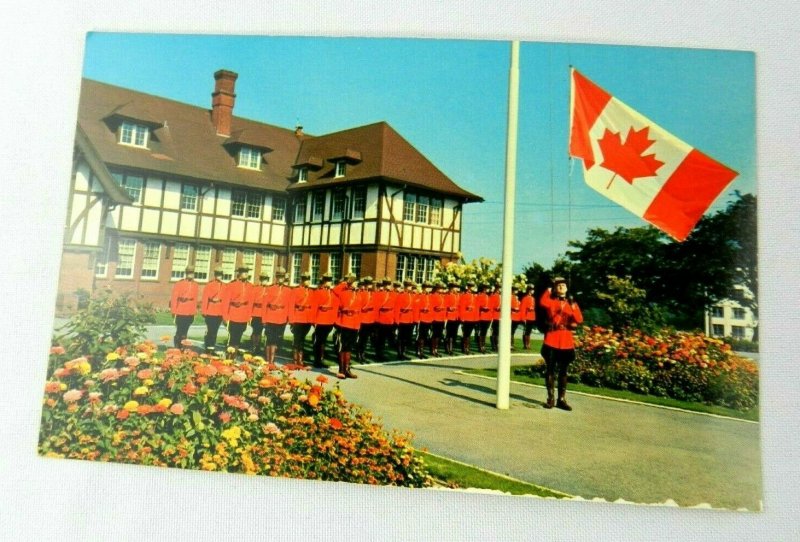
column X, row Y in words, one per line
column 144, row 409
column 176, row 409
column 322, row 379
column 52, row 387
column 123, row 414
column 144, row 374
column 313, row 399
column 336, row 424
column 57, row 350
column 189, row 388
column 225, row 416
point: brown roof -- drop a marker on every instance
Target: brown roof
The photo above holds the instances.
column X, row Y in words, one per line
column 185, row 143
column 372, row 152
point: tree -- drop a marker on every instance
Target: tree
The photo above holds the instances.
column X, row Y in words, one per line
column 627, row 306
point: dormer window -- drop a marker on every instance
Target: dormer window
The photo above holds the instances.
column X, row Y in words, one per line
column 302, row 175
column 132, row 134
column 249, row 158
column 340, row 169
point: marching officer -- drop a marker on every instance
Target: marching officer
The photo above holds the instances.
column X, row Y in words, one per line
column 484, row 316
column 301, row 316
column 259, row 292
column 468, row 314
column 494, row 305
column 558, row 349
column 517, row 316
column 384, row 303
column 326, row 303
column 404, row 315
column 451, row 305
column 439, row 317
column 236, row 307
column 183, row 304
column 528, row 310
column 211, row 308
column 369, row 315
column 424, row 311
column 348, row 322
column 277, row 302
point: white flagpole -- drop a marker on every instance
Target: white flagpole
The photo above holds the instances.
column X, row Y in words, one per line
column 504, row 346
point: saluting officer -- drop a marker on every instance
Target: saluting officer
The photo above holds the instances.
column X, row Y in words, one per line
column 384, row 302
column 276, row 313
column 558, row 349
column 183, row 304
column 301, row 316
column 326, row 303
column 211, row 308
column 236, row 307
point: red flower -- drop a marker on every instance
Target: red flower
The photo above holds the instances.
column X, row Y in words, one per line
column 336, row 424
column 322, row 379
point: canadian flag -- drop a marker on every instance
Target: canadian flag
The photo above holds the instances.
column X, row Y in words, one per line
column 639, row 165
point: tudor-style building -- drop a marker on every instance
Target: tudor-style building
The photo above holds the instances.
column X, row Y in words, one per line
column 159, row 184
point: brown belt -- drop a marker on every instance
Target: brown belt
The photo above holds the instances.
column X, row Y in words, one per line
column 238, row 304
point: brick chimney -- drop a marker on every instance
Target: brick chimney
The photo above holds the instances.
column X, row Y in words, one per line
column 222, row 101
column 298, row 132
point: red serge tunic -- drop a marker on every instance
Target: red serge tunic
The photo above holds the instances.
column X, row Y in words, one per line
column 424, row 308
column 484, row 310
column 212, row 298
column 404, row 308
column 562, row 316
column 385, row 301
column 259, row 300
column 277, row 302
column 451, row 305
column 439, row 310
column 327, row 305
column 494, row 305
column 350, row 304
column 184, row 298
column 301, row 306
column 236, row 302
column 527, row 309
column 516, row 313
column 468, row 307
column 369, row 307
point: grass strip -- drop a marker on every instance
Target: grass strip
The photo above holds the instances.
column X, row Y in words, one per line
column 518, row 375
column 460, row 475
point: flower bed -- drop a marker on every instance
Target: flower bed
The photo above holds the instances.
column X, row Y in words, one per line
column 181, row 409
column 685, row 366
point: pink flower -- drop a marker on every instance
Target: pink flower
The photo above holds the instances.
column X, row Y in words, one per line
column 72, row 396
column 57, row 350
column 225, row 417
column 177, row 409
column 144, row 374
column 131, row 361
column 109, row 374
column 94, row 396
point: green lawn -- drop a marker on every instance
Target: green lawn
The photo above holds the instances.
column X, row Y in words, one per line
column 459, row 475
column 522, row 374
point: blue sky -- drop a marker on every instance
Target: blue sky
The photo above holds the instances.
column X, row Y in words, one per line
column 449, row 99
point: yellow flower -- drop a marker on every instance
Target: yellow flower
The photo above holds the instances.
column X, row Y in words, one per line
column 142, row 355
column 232, row 435
column 148, row 382
column 141, row 390
column 131, row 406
column 62, row 386
column 112, row 356
column 84, row 367
column 165, row 402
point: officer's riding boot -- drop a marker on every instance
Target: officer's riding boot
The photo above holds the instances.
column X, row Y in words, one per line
column 300, row 358
column 273, row 350
column 550, row 383
column 465, row 345
column 317, row 356
column 482, row 344
column 420, row 347
column 341, row 375
column 562, row 392
column 526, row 342
column 493, row 341
column 448, row 346
column 347, row 372
column 435, row 347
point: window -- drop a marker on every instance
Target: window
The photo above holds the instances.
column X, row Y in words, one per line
column 416, row 268
column 249, row 260
column 718, row 312
column 436, row 211
column 180, row 259
column 408, row 207
column 318, row 204
column 202, row 263
column 355, row 263
column 254, row 203
column 246, row 204
column 126, row 250
column 228, row 263
column 133, row 134
column 314, row 268
column 300, row 210
column 278, row 209
column 132, row 185
column 338, row 205
column 297, row 262
column 189, row 197
column 718, row 330
column 268, row 264
column 737, row 332
column 336, row 266
column 249, row 158
column 401, row 267
column 359, row 202
column 422, row 209
column 302, row 175
column 340, row 169
column 738, row 313
column 238, row 200
column 152, row 255
column 101, row 262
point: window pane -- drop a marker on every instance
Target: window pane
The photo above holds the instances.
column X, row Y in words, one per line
column 202, row 263
column 340, row 169
column 401, row 267
column 302, row 175
column 189, row 197
column 126, row 249
column 249, row 260
column 228, row 263
column 180, row 259
column 268, row 264
column 436, row 212
column 101, row 262
column 300, row 210
column 297, row 260
column 314, row 268
column 278, row 209
column 249, row 158
column 408, row 206
column 152, row 254
column 238, row 200
column 254, row 203
column 355, row 264
column 359, row 202
column 319, row 205
column 422, row 210
column 338, row 205
column 336, row 266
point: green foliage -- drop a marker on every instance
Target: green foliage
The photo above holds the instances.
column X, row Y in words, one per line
column 482, row 270
column 742, row 345
column 193, row 411
column 105, row 322
column 627, row 306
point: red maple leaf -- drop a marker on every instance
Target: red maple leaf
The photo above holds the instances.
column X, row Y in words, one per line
column 626, row 159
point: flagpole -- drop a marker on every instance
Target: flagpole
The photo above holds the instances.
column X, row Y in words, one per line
column 504, row 344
